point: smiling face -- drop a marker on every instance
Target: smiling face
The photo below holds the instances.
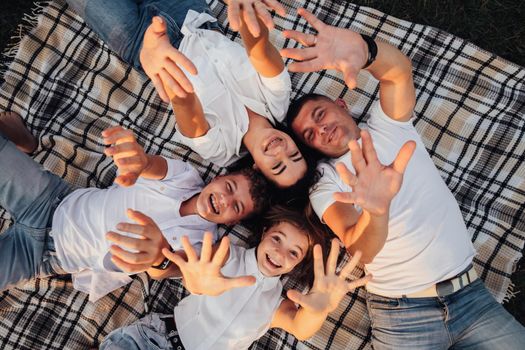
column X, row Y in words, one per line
column 277, row 157
column 282, row 247
column 226, row 199
column 326, row 126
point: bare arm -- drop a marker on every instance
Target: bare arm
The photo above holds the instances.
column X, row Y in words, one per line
column 191, row 121
column 346, row 51
column 373, row 187
column 328, row 290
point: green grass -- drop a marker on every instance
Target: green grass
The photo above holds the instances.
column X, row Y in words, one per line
column 494, row 25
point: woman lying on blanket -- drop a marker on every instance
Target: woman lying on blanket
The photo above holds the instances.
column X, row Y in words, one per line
column 168, row 198
column 230, row 105
column 232, row 312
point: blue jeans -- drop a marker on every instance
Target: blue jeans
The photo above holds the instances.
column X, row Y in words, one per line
column 153, row 332
column 30, row 195
column 122, row 23
column 468, row 319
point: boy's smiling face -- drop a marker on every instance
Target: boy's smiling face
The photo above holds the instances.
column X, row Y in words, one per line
column 282, row 247
column 226, row 199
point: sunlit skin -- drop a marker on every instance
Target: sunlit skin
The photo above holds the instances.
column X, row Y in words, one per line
column 225, row 200
column 282, row 247
column 326, row 126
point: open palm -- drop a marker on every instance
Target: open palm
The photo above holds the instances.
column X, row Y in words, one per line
column 203, row 276
column 329, row 288
column 374, row 185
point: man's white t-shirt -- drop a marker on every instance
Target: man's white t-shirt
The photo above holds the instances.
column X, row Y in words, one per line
column 236, row 318
column 427, row 238
column 83, row 218
column 226, row 84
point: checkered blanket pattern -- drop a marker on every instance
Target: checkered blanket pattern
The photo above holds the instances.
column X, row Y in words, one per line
column 69, row 87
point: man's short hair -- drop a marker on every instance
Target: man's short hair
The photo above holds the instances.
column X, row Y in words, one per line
column 297, row 105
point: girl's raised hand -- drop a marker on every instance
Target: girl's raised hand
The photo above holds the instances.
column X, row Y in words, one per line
column 329, row 287
column 203, row 276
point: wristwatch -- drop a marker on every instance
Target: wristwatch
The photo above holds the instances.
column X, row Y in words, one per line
column 163, row 265
column 372, row 50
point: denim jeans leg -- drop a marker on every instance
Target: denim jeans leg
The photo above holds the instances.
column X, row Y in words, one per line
column 402, row 323
column 119, row 23
column 480, row 322
column 148, row 332
column 30, row 194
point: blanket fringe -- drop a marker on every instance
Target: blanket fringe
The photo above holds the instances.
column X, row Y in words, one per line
column 29, row 21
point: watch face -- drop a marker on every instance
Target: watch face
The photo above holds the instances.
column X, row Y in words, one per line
column 163, row 265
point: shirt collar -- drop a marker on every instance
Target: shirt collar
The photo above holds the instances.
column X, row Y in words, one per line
column 252, row 268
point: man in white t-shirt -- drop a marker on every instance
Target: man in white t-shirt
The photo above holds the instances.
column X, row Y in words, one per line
column 424, row 292
column 226, row 98
column 102, row 235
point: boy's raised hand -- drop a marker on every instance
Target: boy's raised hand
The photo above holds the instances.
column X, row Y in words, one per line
column 203, row 276
column 162, row 62
column 329, row 288
column 332, row 48
column 374, row 185
column 128, row 155
column 247, row 11
column 147, row 248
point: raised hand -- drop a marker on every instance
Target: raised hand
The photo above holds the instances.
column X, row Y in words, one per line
column 374, row 184
column 203, row 276
column 162, row 62
column 332, row 48
column 134, row 255
column 128, row 155
column 329, row 288
column 249, row 10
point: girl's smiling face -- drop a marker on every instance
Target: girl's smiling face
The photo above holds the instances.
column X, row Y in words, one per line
column 282, row 247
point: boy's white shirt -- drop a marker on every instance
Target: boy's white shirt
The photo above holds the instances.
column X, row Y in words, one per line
column 82, row 220
column 227, row 82
column 427, row 238
column 236, row 318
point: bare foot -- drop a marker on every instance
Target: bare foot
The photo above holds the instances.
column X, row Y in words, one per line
column 14, row 128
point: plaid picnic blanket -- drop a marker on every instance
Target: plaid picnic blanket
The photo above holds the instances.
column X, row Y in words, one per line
column 69, row 87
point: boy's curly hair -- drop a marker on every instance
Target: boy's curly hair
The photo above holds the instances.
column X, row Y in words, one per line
column 259, row 189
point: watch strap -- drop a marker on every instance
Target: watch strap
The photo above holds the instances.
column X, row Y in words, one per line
column 372, row 50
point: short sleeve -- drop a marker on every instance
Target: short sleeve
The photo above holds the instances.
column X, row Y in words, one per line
column 321, row 194
column 276, row 92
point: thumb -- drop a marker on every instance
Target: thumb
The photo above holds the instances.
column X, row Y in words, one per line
column 296, row 297
column 239, row 282
column 350, row 77
column 158, row 25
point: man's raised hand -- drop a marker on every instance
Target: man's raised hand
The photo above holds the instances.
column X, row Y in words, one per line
column 247, row 11
column 374, row 185
column 332, row 48
column 203, row 276
column 162, row 62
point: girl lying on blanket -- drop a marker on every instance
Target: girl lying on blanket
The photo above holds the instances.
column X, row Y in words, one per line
column 236, row 292
column 59, row 229
column 229, row 107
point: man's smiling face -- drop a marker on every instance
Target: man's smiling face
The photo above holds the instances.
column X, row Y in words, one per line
column 325, row 125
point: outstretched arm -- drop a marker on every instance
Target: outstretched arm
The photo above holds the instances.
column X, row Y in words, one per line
column 252, row 19
column 130, row 158
column 373, row 187
column 203, row 276
column 346, row 51
column 328, row 290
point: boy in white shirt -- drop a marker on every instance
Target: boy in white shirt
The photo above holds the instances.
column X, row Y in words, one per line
column 215, row 316
column 239, row 94
column 59, row 229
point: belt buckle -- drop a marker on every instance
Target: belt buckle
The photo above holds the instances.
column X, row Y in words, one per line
column 444, row 288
